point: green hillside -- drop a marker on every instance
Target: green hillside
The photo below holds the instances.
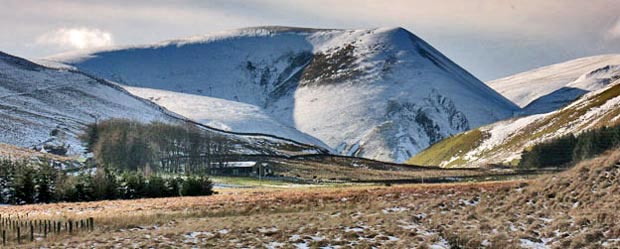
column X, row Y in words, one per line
column 503, row 142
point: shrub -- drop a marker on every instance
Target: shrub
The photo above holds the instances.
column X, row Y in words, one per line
column 105, row 184
column 156, row 187
column 196, row 186
column 133, row 185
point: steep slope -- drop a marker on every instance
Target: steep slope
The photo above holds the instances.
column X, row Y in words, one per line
column 382, row 93
column 504, row 141
column 549, row 88
column 223, row 114
column 44, row 107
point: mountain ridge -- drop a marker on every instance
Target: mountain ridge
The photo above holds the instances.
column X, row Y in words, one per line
column 504, row 141
column 47, row 107
column 340, row 86
column 551, row 87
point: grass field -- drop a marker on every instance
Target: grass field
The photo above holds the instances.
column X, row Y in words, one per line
column 354, row 216
column 573, row 209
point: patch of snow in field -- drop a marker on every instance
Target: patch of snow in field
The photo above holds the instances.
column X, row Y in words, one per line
column 193, row 237
column 442, row 244
column 355, row 229
column 268, row 230
column 275, row 244
column 303, row 245
column 472, row 202
column 546, row 220
column 394, row 210
column 525, row 243
column 392, row 238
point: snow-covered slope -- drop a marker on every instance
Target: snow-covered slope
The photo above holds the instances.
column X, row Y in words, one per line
column 549, row 88
column 504, row 141
column 381, row 93
column 40, row 105
column 223, row 114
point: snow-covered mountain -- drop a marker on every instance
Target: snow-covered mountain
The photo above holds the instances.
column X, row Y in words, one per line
column 380, row 93
column 549, row 88
column 504, row 141
column 44, row 106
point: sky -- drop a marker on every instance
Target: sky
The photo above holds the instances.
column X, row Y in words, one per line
column 490, row 38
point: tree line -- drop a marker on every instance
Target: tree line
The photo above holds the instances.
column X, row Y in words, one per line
column 129, row 145
column 23, row 182
column 567, row 150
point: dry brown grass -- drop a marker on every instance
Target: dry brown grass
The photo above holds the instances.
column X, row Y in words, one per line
column 343, row 171
column 323, row 212
column 470, row 215
column 18, row 153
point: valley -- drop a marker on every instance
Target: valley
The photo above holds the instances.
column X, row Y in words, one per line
column 549, row 211
column 289, row 137
column 383, row 94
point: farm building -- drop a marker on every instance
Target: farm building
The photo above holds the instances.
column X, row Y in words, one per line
column 247, row 168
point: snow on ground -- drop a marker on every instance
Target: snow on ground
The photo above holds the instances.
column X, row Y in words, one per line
column 40, row 105
column 223, row 114
column 34, row 101
column 378, row 93
column 546, row 82
column 502, row 132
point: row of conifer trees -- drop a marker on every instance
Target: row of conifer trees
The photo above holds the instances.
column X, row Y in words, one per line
column 23, row 182
column 567, row 150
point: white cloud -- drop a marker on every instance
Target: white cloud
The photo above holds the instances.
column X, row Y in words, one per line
column 80, row 38
column 614, row 31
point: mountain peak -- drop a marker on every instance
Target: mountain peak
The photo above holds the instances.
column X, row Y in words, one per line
column 379, row 93
column 547, row 88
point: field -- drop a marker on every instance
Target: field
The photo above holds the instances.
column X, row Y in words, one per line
column 573, row 209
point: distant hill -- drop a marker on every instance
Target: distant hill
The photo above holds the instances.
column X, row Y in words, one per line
column 376, row 93
column 47, row 109
column 503, row 142
column 549, row 88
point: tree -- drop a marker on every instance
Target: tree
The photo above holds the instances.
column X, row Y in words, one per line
column 197, row 186
column 24, row 185
column 45, row 183
column 156, row 187
column 105, row 185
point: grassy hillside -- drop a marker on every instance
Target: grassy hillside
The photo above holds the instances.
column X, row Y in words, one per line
column 503, row 142
column 573, row 209
column 451, row 147
column 12, row 152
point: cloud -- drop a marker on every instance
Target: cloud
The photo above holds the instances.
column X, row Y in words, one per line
column 614, row 31
column 76, row 38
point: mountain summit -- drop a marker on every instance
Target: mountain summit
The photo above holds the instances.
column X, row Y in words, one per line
column 379, row 93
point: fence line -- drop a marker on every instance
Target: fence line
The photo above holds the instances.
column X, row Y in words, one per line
column 17, row 228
